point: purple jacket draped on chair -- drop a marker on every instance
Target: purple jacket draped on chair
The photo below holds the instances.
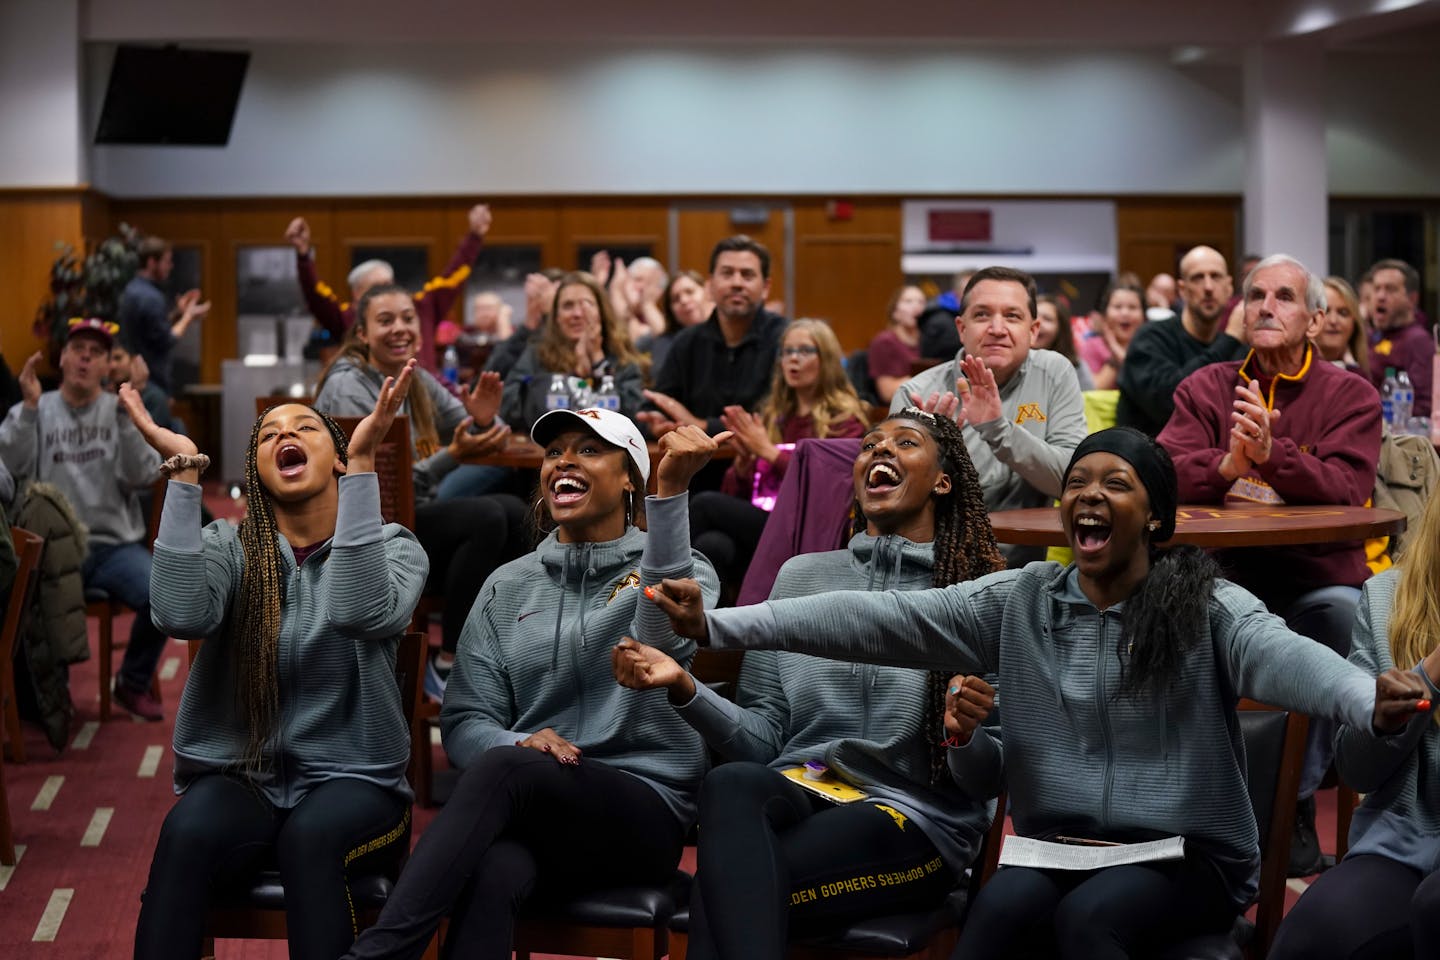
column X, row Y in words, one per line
column 812, row 511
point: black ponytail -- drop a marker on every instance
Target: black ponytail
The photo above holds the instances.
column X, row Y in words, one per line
column 1164, row 618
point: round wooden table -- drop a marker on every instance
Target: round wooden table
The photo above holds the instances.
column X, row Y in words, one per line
column 1228, row 525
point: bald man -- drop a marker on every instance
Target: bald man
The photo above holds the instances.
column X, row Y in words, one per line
column 1165, row 352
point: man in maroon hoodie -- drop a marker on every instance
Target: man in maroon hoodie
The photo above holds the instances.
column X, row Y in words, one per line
column 1284, row 426
column 1397, row 337
column 431, row 303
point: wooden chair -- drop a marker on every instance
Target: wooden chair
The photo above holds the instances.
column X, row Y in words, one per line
column 28, row 549
column 259, row 913
column 99, row 604
column 925, row 935
column 1274, row 754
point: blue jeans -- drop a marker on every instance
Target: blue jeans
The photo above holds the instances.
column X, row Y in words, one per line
column 123, row 571
column 471, row 480
column 1325, row 616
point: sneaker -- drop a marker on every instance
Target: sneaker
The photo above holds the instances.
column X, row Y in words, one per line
column 1305, row 857
column 435, row 680
column 141, row 705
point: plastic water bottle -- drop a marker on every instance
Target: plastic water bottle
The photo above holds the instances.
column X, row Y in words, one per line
column 450, row 365
column 558, row 396
column 608, row 398
column 1387, row 397
column 1403, row 402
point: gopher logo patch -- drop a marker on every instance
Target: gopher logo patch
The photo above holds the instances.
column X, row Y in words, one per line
column 631, row 581
column 1029, row 411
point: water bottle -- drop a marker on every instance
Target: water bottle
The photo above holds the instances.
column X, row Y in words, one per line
column 558, row 396
column 608, row 398
column 1403, row 402
column 1387, row 398
column 450, row 365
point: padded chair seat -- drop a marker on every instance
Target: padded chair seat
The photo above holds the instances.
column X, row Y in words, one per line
column 623, row 906
column 96, row 595
column 897, row 935
column 369, row 892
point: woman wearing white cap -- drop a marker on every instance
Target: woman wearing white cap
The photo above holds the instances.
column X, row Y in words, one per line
column 569, row 780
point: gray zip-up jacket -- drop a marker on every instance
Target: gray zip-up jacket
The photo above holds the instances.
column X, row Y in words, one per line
column 1020, row 456
column 861, row 720
column 341, row 620
column 1079, row 757
column 1399, row 775
column 351, row 390
column 93, row 454
column 535, row 653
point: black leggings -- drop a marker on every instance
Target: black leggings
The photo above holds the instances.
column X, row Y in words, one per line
column 518, row 818
column 1117, row 912
column 1367, row 907
column 222, row 832
column 773, row 856
column 726, row 530
column 466, row 539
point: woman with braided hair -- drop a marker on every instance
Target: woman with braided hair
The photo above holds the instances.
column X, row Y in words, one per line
column 290, row 743
column 1121, row 673
column 774, row 858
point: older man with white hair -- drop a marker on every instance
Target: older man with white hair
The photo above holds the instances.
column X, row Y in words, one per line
column 1283, row 426
column 432, row 302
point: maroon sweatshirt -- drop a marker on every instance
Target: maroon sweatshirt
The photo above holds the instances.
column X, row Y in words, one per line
column 1325, row 450
column 431, row 303
column 1409, row 348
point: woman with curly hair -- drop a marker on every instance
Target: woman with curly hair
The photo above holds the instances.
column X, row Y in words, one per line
column 766, row 845
column 1120, row 673
column 581, row 340
column 810, row 396
column 290, row 743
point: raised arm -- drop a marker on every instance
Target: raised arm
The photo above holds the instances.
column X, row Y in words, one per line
column 444, row 290
column 940, row 629
column 374, row 574
column 319, row 298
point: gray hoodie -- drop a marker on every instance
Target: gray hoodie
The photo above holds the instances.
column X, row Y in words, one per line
column 93, row 454
column 535, row 653
column 863, row 721
column 1078, row 755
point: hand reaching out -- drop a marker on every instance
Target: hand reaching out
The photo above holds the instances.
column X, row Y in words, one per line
column 682, row 602
column 166, row 442
column 1399, row 695
column 685, row 450
column 641, row 667
column 968, row 701
column 29, row 381
column 480, row 219
column 298, row 233
column 370, row 431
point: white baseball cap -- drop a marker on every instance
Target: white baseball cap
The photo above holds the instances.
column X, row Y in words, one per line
column 612, row 427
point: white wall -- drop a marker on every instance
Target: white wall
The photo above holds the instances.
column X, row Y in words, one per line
column 413, row 120
column 331, row 120
column 40, row 94
column 1382, row 132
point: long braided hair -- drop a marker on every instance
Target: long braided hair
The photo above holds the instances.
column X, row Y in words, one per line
column 252, row 624
column 965, row 548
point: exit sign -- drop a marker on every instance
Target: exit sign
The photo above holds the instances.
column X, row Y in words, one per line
column 960, row 226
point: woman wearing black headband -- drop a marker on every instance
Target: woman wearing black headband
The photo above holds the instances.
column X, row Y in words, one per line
column 1121, row 673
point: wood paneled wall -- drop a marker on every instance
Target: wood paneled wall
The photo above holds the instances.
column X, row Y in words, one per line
column 32, row 225
column 843, row 264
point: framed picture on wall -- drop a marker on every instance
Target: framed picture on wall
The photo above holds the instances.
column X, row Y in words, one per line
column 411, row 262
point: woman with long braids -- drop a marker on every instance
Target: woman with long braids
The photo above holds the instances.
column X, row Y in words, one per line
column 290, row 743
column 569, row 781
column 466, row 537
column 766, row 845
column 1382, row 902
column 1120, row 674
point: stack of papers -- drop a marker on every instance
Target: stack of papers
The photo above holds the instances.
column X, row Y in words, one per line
column 1081, row 855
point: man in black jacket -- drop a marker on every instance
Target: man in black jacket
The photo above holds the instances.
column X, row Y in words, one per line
column 1164, row 352
column 728, row 359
